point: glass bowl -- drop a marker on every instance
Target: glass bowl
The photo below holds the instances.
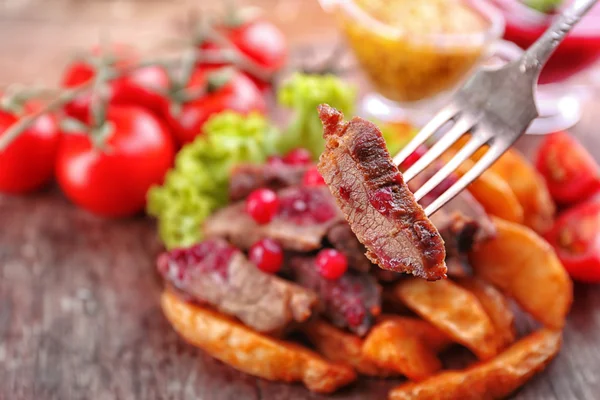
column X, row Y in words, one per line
column 410, row 65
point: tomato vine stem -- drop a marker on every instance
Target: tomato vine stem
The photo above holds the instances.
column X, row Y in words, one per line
column 186, row 60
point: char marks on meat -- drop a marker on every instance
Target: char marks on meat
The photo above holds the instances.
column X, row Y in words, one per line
column 247, row 177
column 305, row 216
column 374, row 199
column 351, row 302
column 216, row 273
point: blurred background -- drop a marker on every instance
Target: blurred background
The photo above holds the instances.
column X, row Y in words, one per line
column 37, row 37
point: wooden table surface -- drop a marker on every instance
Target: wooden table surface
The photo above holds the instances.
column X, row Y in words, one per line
column 79, row 314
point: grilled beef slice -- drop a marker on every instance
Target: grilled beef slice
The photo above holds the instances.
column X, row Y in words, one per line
column 375, row 201
column 247, row 177
column 305, row 216
column 216, row 273
column 351, row 302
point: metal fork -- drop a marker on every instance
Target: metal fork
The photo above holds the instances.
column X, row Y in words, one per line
column 495, row 105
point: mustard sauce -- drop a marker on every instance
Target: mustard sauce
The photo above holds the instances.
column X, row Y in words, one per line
column 411, row 64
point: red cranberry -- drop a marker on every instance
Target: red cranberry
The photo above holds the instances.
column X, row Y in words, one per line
column 312, row 177
column 297, row 156
column 413, row 157
column 331, row 264
column 275, row 160
column 267, row 255
column 262, row 205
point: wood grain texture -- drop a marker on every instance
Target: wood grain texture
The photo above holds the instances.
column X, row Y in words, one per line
column 79, row 312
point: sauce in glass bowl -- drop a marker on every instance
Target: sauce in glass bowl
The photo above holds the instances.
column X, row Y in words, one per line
column 415, row 50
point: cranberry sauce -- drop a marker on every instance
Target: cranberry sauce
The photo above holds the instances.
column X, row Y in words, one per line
column 382, row 200
column 210, row 256
column 344, row 193
column 307, row 205
column 352, row 301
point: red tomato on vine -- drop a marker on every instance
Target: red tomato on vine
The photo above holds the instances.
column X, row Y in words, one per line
column 144, row 87
column 223, row 89
column 112, row 179
column 262, row 41
column 259, row 40
column 28, row 161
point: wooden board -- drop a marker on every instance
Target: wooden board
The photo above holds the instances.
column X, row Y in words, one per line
column 79, row 314
column 79, row 319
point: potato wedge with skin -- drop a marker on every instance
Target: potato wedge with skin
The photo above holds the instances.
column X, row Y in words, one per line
column 496, row 306
column 525, row 267
column 494, row 193
column 391, row 345
column 343, row 347
column 526, row 183
column 493, row 379
column 453, row 310
column 434, row 339
column 530, row 189
column 252, row 352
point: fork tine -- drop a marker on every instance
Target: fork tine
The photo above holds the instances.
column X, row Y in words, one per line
column 493, row 153
column 432, row 126
column 456, row 132
column 462, row 155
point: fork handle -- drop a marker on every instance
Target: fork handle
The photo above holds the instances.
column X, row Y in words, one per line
column 538, row 53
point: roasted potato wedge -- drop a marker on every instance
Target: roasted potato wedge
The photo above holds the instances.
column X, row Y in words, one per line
column 525, row 267
column 343, row 347
column 496, row 306
column 434, row 339
column 494, row 193
column 392, row 346
column 252, row 352
column 493, row 379
column 453, row 310
column 526, row 183
column 376, row 355
column 530, row 189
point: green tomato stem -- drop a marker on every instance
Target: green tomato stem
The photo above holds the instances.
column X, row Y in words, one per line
column 25, row 122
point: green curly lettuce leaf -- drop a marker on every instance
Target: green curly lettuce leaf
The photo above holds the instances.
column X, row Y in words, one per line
column 302, row 93
column 544, row 6
column 197, row 185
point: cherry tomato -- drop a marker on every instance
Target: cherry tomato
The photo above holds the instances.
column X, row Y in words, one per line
column 144, row 87
column 140, row 87
column 77, row 74
column 576, row 238
column 262, row 41
column 113, row 181
column 238, row 94
column 570, row 171
column 28, row 162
